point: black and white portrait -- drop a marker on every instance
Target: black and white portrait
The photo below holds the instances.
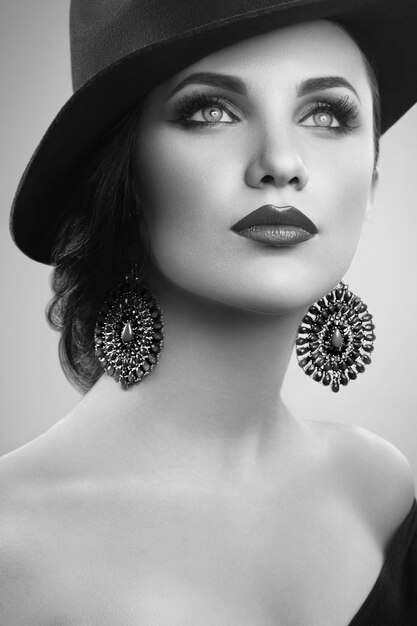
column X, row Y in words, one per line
column 208, row 257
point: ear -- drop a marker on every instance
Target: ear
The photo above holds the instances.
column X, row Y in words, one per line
column 370, row 205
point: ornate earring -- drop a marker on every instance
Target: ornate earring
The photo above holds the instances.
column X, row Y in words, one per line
column 129, row 334
column 335, row 338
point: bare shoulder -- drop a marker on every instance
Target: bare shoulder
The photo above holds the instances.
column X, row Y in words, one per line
column 373, row 472
column 18, row 485
column 27, row 488
column 15, row 553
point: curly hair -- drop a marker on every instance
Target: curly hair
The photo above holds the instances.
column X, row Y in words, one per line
column 102, row 235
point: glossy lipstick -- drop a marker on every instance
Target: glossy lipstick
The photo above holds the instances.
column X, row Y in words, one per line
column 276, row 226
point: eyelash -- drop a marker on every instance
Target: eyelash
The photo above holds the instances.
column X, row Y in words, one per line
column 191, row 103
column 343, row 109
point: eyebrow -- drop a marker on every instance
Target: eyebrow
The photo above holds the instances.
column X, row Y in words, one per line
column 231, row 83
column 237, row 85
column 323, row 82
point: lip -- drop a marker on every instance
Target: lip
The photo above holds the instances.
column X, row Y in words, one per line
column 276, row 226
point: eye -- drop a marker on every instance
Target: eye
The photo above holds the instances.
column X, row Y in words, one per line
column 323, row 119
column 198, row 109
column 212, row 113
column 339, row 114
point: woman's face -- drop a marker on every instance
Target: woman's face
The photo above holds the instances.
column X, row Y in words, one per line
column 284, row 118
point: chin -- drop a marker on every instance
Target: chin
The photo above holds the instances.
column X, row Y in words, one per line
column 262, row 285
column 278, row 293
column 291, row 299
column 273, row 297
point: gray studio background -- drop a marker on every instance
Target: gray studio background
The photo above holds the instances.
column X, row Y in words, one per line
column 35, row 82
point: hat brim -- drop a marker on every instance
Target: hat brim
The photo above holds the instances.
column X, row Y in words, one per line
column 385, row 31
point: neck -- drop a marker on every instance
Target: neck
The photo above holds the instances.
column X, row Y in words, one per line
column 217, row 384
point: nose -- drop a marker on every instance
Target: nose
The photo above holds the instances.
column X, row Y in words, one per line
column 276, row 162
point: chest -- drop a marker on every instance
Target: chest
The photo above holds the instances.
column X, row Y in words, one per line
column 205, row 562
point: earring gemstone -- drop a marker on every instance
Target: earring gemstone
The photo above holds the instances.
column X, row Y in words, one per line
column 337, row 339
column 127, row 334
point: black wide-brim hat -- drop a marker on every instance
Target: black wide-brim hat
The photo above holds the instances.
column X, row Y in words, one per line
column 122, row 49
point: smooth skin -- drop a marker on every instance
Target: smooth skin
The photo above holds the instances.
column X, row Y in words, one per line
column 196, row 497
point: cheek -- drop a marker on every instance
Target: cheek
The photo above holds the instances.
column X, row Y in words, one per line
column 184, row 191
column 346, row 194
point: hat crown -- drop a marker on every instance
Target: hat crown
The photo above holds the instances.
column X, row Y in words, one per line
column 104, row 31
column 94, row 13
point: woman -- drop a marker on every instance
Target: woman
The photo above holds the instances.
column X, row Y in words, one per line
column 187, row 493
